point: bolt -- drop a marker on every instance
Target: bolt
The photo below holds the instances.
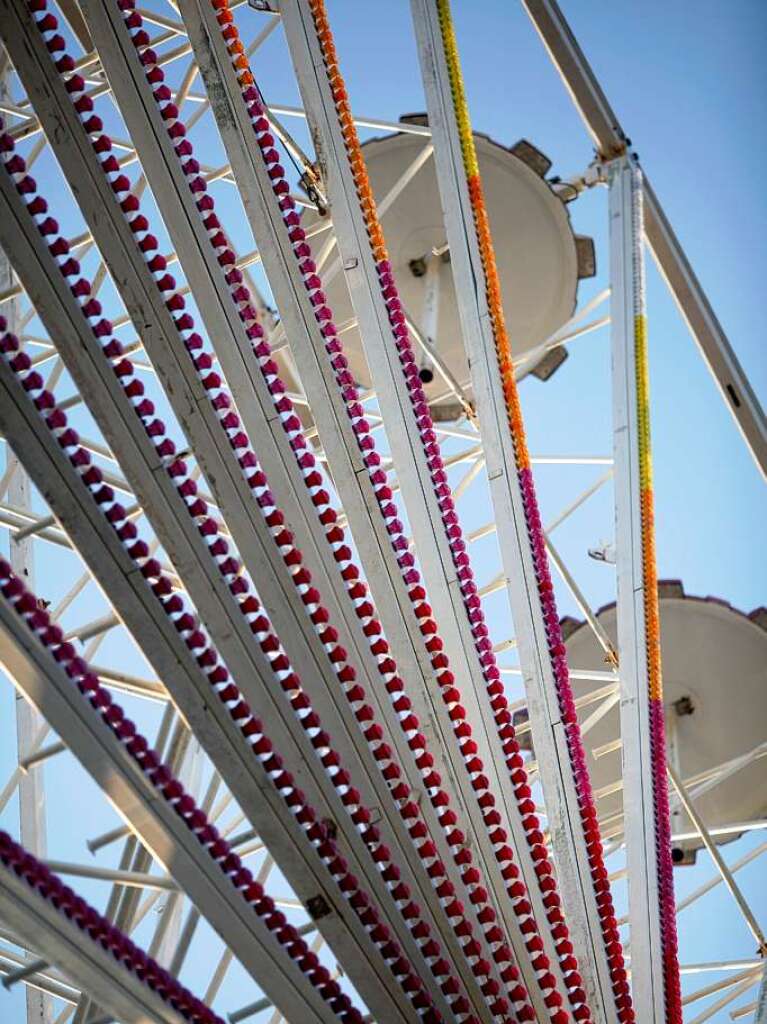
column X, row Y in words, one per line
column 318, row 907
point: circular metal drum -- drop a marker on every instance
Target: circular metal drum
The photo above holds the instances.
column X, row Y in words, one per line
column 539, row 257
column 715, row 694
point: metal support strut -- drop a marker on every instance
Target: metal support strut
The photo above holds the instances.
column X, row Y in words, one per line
column 654, row 965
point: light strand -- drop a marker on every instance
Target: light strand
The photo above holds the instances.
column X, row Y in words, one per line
column 536, row 536
column 101, row 931
column 469, row 591
column 186, row 623
column 168, row 788
column 408, row 809
column 662, row 817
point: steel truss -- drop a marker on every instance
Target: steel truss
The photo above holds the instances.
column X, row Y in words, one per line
column 241, row 794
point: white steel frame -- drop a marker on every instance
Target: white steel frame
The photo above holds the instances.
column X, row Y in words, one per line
column 32, row 526
column 47, row 687
column 565, row 829
column 611, row 141
column 413, row 480
column 93, row 969
column 639, row 817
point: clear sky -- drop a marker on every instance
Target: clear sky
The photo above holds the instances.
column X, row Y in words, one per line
column 689, row 82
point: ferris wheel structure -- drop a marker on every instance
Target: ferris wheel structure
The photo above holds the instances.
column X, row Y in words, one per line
column 294, row 706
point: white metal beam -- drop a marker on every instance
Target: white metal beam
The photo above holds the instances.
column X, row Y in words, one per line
column 760, row 1017
column 89, row 966
column 351, row 481
column 42, row 681
column 44, row 981
column 610, row 139
column 639, row 804
column 721, row 866
column 260, row 553
column 565, row 825
column 207, row 717
column 31, row 790
column 413, row 476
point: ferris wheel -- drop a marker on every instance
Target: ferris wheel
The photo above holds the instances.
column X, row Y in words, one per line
column 310, row 716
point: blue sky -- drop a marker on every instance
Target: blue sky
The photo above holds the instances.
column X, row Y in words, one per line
column 688, row 81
